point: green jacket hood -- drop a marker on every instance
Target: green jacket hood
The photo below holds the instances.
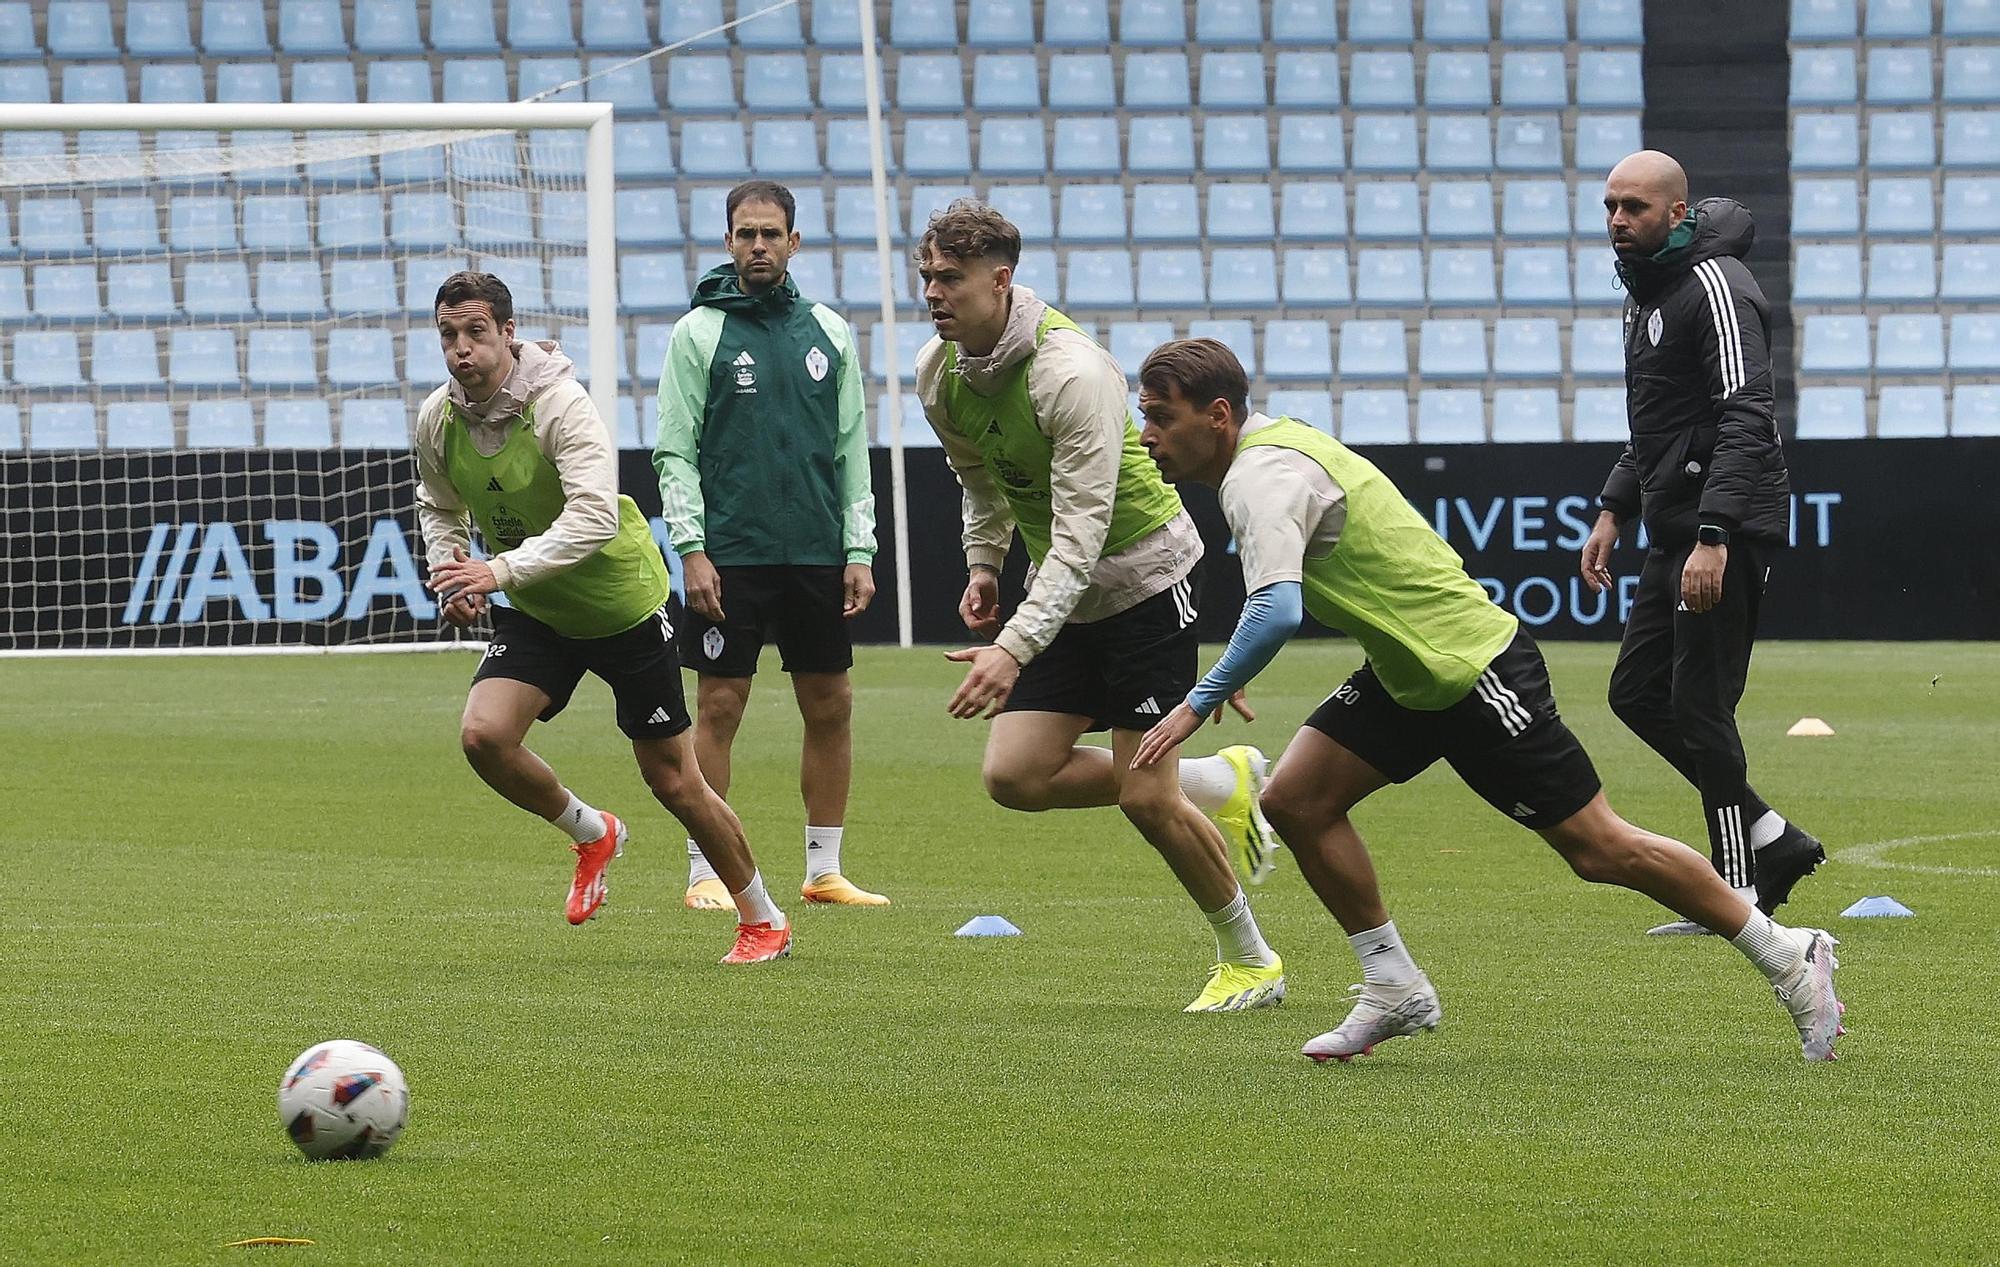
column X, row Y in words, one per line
column 720, row 287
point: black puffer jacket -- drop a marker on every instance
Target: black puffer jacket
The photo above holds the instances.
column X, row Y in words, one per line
column 1704, row 446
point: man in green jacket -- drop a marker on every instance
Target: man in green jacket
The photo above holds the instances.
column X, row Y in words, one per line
column 764, row 485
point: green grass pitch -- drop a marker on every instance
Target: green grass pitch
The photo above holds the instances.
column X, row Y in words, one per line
column 210, row 864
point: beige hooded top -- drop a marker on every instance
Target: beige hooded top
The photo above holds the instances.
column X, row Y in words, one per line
column 1079, row 394
column 571, row 435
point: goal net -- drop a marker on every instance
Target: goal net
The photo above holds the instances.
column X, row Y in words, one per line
column 215, row 333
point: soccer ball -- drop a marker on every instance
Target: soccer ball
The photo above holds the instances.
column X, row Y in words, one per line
column 342, row 1100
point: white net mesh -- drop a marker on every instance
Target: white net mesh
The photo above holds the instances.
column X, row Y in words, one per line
column 213, row 346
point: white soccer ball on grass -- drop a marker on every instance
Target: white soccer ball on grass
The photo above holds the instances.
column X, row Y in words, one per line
column 343, row 1100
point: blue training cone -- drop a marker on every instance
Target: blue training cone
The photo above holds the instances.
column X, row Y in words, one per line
column 1877, row 908
column 987, row 926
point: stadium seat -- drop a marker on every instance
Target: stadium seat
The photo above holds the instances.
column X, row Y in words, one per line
column 88, row 84
column 1972, row 139
column 1534, row 209
column 67, row 292
column 1005, row 82
column 1460, row 209
column 1451, row 415
column 1457, row 22
column 1532, row 80
column 393, row 81
column 776, row 83
column 1526, row 415
column 1240, row 213
column 1229, row 81
column 421, row 279
column 650, row 217
column 1307, row 81
column 281, row 359
column 1243, row 277
column 1152, row 23
column 1899, row 76
column 629, row 89
column 234, row 28
column 14, row 296
column 1901, row 272
column 713, row 148
column 463, row 26
column 1374, row 415
column 1130, row 342
column 1457, row 143
column 1598, row 414
column 154, row 28
column 1380, row 80
column 80, row 28
column 812, row 273
column 1900, row 206
column 1530, row 143
column 912, row 24
column 1453, row 348
column 1971, row 18
column 684, row 19
column 1162, row 146
column 1001, row 24
column 1603, row 139
column 1534, row 22
column 536, row 76
column 1527, row 347
column 24, row 84
column 349, row 222
column 1159, row 81
column 1028, row 207
column 575, row 341
column 1389, row 277
column 1099, row 279
column 1227, row 22
column 1096, row 213
column 1038, row 272
column 700, row 84
column 134, row 292
column 1825, row 142
column 1610, row 80
column 1081, row 81
column 1296, row 349
column 1824, row 77
column 1910, row 343
column 1832, row 344
column 1077, row 24
column 652, row 339
column 47, row 359
column 930, row 82
column 1901, row 139
column 1898, row 20
column 476, row 79
column 1160, row 213
column 1826, row 207
column 610, row 26
column 1312, row 211
column 219, row 290
column 854, row 215
column 1316, row 277
column 221, row 424
column 1975, row 410
column 936, row 147
column 329, row 82
column 847, row 148
column 201, row 222
column 289, row 290
column 925, row 200
column 1371, row 349
column 1595, row 278
column 62, row 425
column 861, row 277
column 311, row 28
column 360, row 356
column 1458, row 80
column 1971, row 273
column 1012, row 147
column 1382, row 143
column 1314, row 408
column 373, row 424
column 1971, row 75
column 1909, row 412
column 51, row 227
column 388, row 28
column 910, row 339
column 917, row 433
column 777, row 29
column 1975, row 343
column 17, row 41
column 422, row 222
column 292, row 424
column 171, row 83
column 202, row 358
column 1235, row 143
column 1236, row 334
column 784, row 147
column 1461, row 276
column 124, row 224
column 1824, row 20
column 1313, row 143
column 1535, row 277
column 1826, row 273
column 1597, row 348
column 1368, row 21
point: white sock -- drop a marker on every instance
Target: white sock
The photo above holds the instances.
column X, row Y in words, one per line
column 1236, row 937
column 1771, row 946
column 698, row 868
column 1748, row 893
column 1384, row 961
column 754, row 905
column 582, row 823
column 1207, row 781
column 1766, row 829
column 822, row 851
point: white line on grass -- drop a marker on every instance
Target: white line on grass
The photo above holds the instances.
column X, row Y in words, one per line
column 1870, row 854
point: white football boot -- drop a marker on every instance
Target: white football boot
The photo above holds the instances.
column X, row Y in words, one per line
column 1381, row 1012
column 1807, row 993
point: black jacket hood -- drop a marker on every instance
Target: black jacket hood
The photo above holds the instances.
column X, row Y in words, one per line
column 1714, row 227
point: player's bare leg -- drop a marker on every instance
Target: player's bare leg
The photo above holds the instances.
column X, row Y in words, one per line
column 1032, row 763
column 676, row 781
column 720, row 703
column 826, row 769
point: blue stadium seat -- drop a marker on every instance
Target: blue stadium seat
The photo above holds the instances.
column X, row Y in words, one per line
column 1378, row 80
column 1460, row 80
column 1229, row 81
column 1610, row 22
column 1005, row 81
column 1826, row 207
column 1001, row 24
column 1240, row 213
column 861, row 277
column 1901, row 139
column 1461, row 276
column 488, row 159
column 1975, row 410
column 1161, row 146
column 536, row 76
column 1307, row 81
column 1595, row 278
column 1457, row 143
column 1457, row 22
column 1909, row 412
column 476, row 79
column 1826, row 273
column 642, row 151
column 1971, row 273
column 700, row 84
column 653, row 338
column 1012, row 147
column 1313, row 143
column 610, row 26
column 1610, row 80
column 1077, row 24
column 1387, row 211
column 1236, row 334
column 1831, row 344
column 1081, row 81
column 1534, row 209
column 1900, row 76
column 935, row 24
column 812, row 273
column 1597, row 348
column 1451, row 415
column 373, row 424
column 47, row 359
column 930, row 82
column 1152, row 23
column 628, row 89
column 289, row 290
column 1131, row 341
column 1037, row 271
column 1975, row 343
column 936, row 147
column 1099, row 279
column 1898, row 20
column 136, row 292
column 60, row 425
column 399, row 81
column 360, row 356
column 234, row 28
column 349, row 222
column 1972, row 138
column 223, row 424
column 1368, row 22
column 80, row 28
column 422, row 222
column 847, row 148
column 281, row 359
column 52, row 227
column 1158, row 81
column 68, row 292
column 1603, row 139
column 156, row 28
column 1312, row 211
column 1460, row 209
column 24, row 84
column 1598, row 414
column 713, row 148
column 201, row 222
column 1526, row 415
column 684, row 19
column 1086, row 147
column 1531, row 142
column 86, row 84
column 14, row 296
column 1900, row 206
column 1316, row 277
column 575, row 341
column 779, row 29
column 1227, row 22
column 1235, row 143
column 1451, row 348
column 1389, row 277
column 1171, row 279
column 121, row 146
column 776, row 83
column 1297, row 350
column 1824, row 20
column 501, row 218
column 1374, row 415
column 1825, row 142
column 1534, row 22
column 564, row 218
column 1535, row 277
column 202, row 358
column 463, row 26
column 1533, row 80
column 1096, row 213
column 784, row 147
column 1824, row 77
column 1314, row 408
column 388, row 28
column 1971, row 17
column 1243, row 277
column 311, row 28
column 1373, row 349
column 171, row 83
column 291, row 424
column 1910, row 343
column 17, row 40
column 1382, row 143
column 218, row 290
column 1527, row 347
column 1972, row 75
column 329, row 82
column 1832, row 413
column 1028, row 207
column 854, row 215
column 124, row 224
column 1901, row 272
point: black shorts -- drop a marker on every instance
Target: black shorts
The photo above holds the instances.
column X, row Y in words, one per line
column 1505, row 738
column 798, row 605
column 639, row 665
column 1124, row 672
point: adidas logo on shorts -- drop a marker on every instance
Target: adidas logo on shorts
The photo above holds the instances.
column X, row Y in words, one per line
column 659, row 717
column 1151, row 707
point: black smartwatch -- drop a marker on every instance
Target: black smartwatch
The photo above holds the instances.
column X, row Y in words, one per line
column 1710, row 535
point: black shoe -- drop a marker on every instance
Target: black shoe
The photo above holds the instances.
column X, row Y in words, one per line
column 1783, row 863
